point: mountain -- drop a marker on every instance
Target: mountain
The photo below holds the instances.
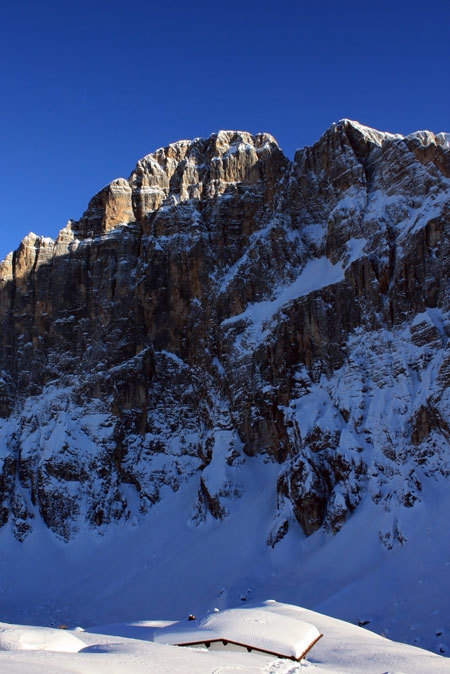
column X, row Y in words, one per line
column 229, row 330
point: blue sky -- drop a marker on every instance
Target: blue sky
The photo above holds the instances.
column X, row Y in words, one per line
column 87, row 88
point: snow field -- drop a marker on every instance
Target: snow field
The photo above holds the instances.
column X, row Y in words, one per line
column 114, row 650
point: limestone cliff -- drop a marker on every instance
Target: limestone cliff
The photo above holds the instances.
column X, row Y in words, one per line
column 223, row 303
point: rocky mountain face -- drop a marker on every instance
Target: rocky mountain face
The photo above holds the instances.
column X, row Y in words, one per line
column 225, row 303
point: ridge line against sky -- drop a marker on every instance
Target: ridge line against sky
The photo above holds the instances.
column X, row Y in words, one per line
column 90, row 89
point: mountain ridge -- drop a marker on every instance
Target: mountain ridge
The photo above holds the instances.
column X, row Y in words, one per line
column 424, row 137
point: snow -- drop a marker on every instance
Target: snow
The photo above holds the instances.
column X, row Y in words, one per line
column 429, row 138
column 17, row 638
column 128, row 648
column 270, row 628
column 375, row 136
column 318, row 273
column 315, row 233
column 379, row 137
column 173, row 357
column 443, row 139
column 136, row 573
column 216, row 475
column 236, row 148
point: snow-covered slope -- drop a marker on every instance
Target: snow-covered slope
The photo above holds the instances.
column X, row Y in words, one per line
column 167, row 567
column 128, row 648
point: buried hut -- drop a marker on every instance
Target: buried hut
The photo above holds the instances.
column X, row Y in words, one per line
column 270, row 628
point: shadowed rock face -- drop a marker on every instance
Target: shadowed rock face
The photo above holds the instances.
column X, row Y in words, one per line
column 225, row 303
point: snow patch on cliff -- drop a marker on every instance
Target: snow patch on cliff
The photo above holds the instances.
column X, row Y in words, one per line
column 316, row 274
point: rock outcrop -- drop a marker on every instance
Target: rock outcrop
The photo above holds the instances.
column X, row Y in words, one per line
column 225, row 303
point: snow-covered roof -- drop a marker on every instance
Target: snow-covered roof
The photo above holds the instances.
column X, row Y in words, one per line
column 270, row 628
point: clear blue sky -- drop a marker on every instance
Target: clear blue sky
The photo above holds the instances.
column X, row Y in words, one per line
column 89, row 87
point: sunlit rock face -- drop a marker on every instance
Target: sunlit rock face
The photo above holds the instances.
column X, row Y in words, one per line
column 226, row 304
